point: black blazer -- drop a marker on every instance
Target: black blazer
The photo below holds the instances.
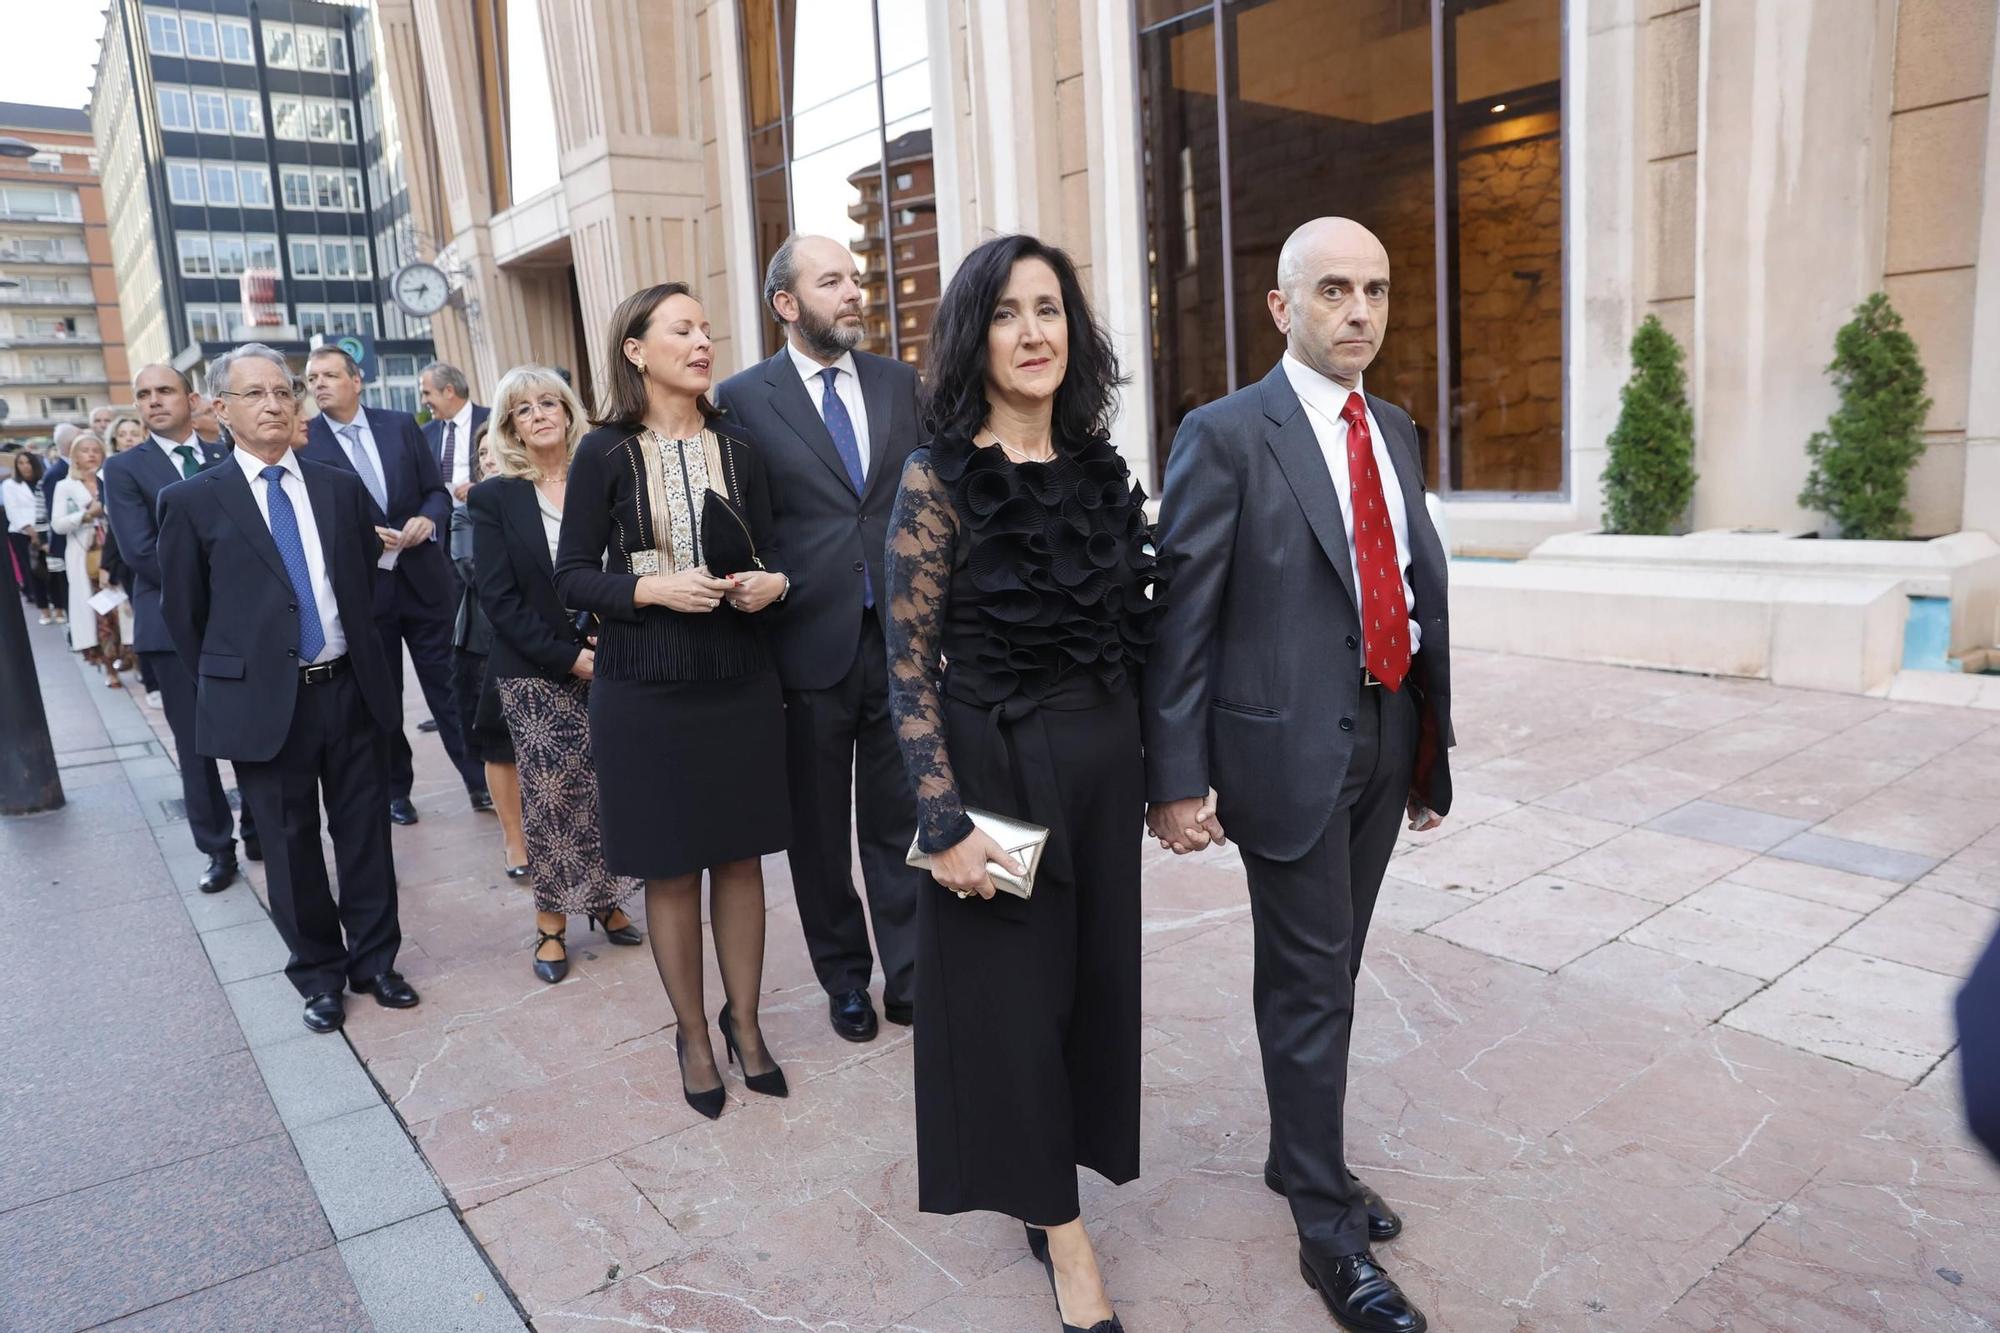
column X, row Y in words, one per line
column 830, row 533
column 533, row 635
column 422, row 577
column 1256, row 664
column 133, row 481
column 234, row 619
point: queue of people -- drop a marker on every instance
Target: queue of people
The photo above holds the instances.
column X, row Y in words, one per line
column 819, row 607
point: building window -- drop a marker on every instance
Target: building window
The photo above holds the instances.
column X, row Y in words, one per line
column 343, row 319
column 336, row 259
column 62, row 405
column 245, row 117
column 176, row 110
column 336, row 45
column 320, row 122
column 163, row 33
column 313, row 322
column 305, row 258
column 198, row 33
column 343, row 121
column 219, row 182
column 352, row 179
column 194, row 252
column 260, row 253
column 288, row 118
column 367, row 315
column 205, row 323
column 280, row 46
column 1463, row 189
column 312, row 49
column 360, row 259
column 823, row 133
column 326, row 191
column 256, row 183
column 228, row 256
column 211, row 112
column 298, row 186
column 184, row 182
column 236, row 45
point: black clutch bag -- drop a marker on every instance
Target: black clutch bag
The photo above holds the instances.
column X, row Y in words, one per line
column 726, row 545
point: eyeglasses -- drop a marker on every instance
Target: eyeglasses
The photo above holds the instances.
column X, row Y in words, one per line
column 552, row 406
column 259, row 397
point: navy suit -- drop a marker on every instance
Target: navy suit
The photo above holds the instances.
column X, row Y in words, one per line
column 415, row 602
column 234, row 618
column 133, row 481
column 434, row 436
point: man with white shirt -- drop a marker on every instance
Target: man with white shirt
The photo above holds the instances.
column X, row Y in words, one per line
column 455, row 420
column 835, row 426
column 416, row 595
column 271, row 559
column 133, row 481
column 1299, row 696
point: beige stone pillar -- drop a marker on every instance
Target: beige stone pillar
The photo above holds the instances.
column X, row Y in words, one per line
column 1981, row 503
column 1792, row 206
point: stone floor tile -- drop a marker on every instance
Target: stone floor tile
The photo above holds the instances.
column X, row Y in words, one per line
column 270, row 1009
column 365, row 1171
column 1818, row 884
column 1545, row 922
column 1631, row 794
column 1926, row 929
column 425, row 1274
column 1904, row 734
column 1482, row 859
column 1931, row 822
column 571, row 1235
column 1870, row 1012
column 149, row 1238
column 1719, row 942
column 1731, row 825
column 309, row 1294
column 1859, row 858
column 1808, row 787
column 252, row 949
column 1973, row 874
column 1659, row 867
column 1701, row 711
column 1414, row 906
column 1729, row 753
column 1560, row 825
column 311, row 1079
column 1693, row 994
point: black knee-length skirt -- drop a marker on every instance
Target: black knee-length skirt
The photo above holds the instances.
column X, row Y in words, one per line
column 690, row 774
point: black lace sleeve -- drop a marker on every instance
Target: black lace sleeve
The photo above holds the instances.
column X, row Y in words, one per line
column 923, row 528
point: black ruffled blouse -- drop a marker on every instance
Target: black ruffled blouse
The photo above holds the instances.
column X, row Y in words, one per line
column 1027, row 578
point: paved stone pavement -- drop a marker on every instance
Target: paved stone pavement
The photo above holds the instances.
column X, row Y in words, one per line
column 1653, row 1035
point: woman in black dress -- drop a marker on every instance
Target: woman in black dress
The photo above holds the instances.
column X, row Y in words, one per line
column 474, row 696
column 686, row 718
column 1017, row 556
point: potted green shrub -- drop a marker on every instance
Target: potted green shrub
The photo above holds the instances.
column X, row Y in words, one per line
column 1649, row 477
column 1861, row 462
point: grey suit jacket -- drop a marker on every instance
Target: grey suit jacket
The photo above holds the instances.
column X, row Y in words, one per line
column 830, row 533
column 1257, row 664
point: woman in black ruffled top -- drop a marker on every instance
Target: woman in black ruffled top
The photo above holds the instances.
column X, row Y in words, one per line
column 1019, row 607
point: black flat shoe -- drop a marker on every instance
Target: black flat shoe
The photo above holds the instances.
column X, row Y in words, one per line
column 221, row 872
column 389, row 989
column 325, row 1012
column 401, row 811
column 1360, row 1296
column 1383, row 1223
column 1038, row 1245
column 900, row 1012
column 519, row 872
column 625, row 934
column 706, row 1103
column 429, row 724
column 853, row 1017
column 482, row 801
column 771, row 1083
column 253, row 849
column 550, row 970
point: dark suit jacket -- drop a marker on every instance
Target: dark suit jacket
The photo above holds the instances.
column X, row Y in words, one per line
column 422, row 582
column 133, row 481
column 1979, row 1048
column 434, row 437
column 1257, row 662
column 234, row 617
column 533, row 634
column 829, row 532
column 58, row 469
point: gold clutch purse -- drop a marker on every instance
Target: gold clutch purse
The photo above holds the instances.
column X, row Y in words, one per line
column 1021, row 840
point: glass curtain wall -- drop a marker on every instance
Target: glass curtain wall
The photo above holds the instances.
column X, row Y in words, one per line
column 1435, row 123
column 839, row 102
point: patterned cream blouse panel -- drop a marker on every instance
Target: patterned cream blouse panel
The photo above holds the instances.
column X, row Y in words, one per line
column 679, row 472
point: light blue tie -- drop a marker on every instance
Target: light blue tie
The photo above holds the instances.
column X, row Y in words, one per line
column 365, row 465
column 841, row 427
column 292, row 550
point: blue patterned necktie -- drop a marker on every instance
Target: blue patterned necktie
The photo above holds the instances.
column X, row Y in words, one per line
column 292, row 550
column 365, row 466
column 841, row 427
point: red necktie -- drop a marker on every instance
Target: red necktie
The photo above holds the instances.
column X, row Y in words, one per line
column 1385, row 617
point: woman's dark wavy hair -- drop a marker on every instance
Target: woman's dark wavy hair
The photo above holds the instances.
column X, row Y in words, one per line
column 35, row 469
column 954, row 397
column 623, row 399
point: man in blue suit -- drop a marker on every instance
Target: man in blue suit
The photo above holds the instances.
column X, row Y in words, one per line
column 455, row 422
column 416, row 596
column 133, row 481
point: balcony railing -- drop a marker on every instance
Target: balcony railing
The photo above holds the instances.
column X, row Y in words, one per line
column 9, row 297
column 28, row 380
column 50, row 340
column 42, row 257
column 37, row 215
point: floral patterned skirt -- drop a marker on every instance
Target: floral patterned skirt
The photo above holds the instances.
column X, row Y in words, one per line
column 550, row 723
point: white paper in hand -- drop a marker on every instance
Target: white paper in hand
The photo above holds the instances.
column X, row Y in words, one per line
column 107, row 600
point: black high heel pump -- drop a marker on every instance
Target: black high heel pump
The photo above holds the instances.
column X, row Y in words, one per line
column 1038, row 1245
column 625, row 934
column 550, row 970
column 707, row 1103
column 771, row 1083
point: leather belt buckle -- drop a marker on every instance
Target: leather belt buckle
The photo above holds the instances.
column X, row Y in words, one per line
column 321, row 672
column 1368, row 678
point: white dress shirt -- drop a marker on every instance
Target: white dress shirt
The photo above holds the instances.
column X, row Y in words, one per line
column 295, row 491
column 847, row 384
column 461, row 451
column 1324, row 401
column 340, row 437
column 167, row 447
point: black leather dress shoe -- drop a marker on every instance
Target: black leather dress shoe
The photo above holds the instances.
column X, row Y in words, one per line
column 900, row 1012
column 428, row 724
column 325, row 1012
column 853, row 1017
column 401, row 811
column 221, row 872
column 389, row 989
column 482, row 801
column 1383, row 1223
column 253, row 849
column 1359, row 1295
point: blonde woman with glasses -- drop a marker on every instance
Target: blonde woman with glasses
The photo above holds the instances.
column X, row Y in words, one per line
column 542, row 660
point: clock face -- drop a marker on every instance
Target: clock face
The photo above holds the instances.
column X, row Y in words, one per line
column 420, row 289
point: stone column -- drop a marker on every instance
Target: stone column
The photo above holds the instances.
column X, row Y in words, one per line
column 1982, row 411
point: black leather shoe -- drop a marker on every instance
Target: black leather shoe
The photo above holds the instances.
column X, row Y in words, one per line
column 428, row 724
column 550, row 970
column 482, row 801
column 221, row 872
column 1383, row 1223
column 1359, row 1295
column 389, row 989
column 853, row 1017
column 625, row 934
column 519, row 872
column 253, row 849
column 325, row 1012
column 401, row 811
column 900, row 1012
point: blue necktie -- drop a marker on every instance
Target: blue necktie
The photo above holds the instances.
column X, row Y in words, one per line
column 841, row 427
column 365, row 466
column 292, row 550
